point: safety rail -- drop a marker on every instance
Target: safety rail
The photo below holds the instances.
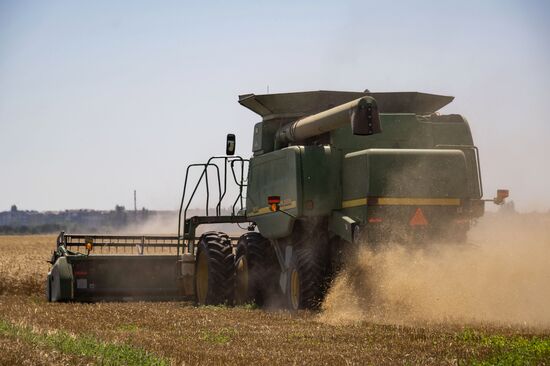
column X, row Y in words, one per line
column 225, row 168
column 238, row 166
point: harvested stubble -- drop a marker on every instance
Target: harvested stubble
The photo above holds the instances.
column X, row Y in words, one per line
column 180, row 333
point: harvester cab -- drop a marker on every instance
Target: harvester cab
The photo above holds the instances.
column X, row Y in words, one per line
column 330, row 172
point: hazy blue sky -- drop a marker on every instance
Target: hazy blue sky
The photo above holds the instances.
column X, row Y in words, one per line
column 100, row 97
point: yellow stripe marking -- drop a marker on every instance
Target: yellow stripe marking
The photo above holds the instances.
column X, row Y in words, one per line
column 398, row 201
column 354, row 203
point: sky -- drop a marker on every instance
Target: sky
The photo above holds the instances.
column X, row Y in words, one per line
column 98, row 98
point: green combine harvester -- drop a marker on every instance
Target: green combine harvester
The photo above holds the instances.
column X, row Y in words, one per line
column 331, row 172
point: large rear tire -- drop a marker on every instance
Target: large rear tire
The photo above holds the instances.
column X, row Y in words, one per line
column 306, row 277
column 214, row 270
column 256, row 270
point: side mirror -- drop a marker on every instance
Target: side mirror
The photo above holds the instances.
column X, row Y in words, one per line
column 502, row 194
column 230, row 145
column 365, row 119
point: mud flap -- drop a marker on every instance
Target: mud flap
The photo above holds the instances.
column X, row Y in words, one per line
column 342, row 225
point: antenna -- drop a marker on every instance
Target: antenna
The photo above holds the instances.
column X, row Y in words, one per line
column 135, row 207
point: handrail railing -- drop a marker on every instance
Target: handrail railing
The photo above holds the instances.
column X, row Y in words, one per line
column 222, row 189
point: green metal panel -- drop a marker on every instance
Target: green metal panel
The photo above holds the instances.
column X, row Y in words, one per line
column 275, row 174
column 398, row 131
column 473, row 179
column 125, row 276
column 320, row 177
column 456, row 132
column 405, row 173
column 264, row 137
column 408, row 131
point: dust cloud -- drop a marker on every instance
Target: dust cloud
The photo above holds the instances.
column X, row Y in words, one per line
column 157, row 225
column 167, row 224
column 501, row 277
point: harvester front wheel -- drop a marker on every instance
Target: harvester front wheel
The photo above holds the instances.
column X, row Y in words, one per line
column 256, row 269
column 214, row 270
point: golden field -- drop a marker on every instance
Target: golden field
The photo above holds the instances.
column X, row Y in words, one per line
column 33, row 331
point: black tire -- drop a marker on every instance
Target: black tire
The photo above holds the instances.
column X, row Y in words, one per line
column 306, row 277
column 214, row 270
column 256, row 269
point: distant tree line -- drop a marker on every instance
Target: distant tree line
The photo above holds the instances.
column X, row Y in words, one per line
column 27, row 229
column 17, row 222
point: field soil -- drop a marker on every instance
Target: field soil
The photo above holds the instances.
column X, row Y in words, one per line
column 33, row 331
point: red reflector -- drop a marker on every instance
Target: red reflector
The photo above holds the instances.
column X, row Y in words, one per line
column 418, row 219
column 375, row 220
column 503, row 193
column 80, row 273
column 271, row 200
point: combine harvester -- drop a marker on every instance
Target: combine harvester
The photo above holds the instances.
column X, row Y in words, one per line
column 330, row 172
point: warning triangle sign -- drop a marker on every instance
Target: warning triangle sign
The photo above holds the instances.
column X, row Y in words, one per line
column 418, row 219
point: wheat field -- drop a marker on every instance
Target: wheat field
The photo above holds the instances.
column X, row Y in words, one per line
column 35, row 332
